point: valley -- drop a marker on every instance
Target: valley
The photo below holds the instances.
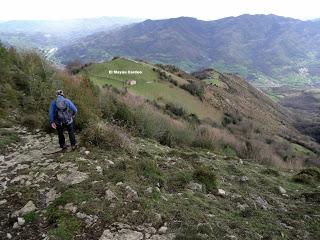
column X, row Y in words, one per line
column 186, row 129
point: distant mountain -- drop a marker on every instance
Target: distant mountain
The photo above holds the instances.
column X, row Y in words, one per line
column 266, row 49
column 49, row 33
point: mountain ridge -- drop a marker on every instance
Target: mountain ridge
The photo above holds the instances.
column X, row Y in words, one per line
column 258, row 47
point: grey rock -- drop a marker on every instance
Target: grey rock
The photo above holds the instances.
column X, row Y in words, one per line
column 282, row 190
column 29, row 207
column 82, row 149
column 9, row 236
column 110, row 163
column 51, row 196
column 15, row 225
column 89, row 219
column 21, row 179
column 110, row 195
column 163, row 230
column 195, row 187
column 21, row 221
column 2, row 202
column 242, row 207
column 70, row 207
column 221, row 192
column 74, row 177
column 149, row 190
column 123, row 234
column 119, row 184
column 163, row 237
column 244, row 179
column 262, row 203
column 131, row 194
column 99, row 170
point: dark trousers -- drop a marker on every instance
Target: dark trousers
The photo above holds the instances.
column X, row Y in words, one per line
column 70, row 129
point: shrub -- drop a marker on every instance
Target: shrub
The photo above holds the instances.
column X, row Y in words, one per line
column 85, row 96
column 175, row 109
column 230, row 119
column 196, row 88
column 124, row 115
column 308, row 176
column 207, row 177
column 204, row 138
column 217, row 139
column 149, row 169
column 272, row 172
column 6, row 139
column 31, row 121
column 178, row 180
column 106, row 136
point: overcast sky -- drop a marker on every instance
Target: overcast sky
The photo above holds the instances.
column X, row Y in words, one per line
column 201, row 9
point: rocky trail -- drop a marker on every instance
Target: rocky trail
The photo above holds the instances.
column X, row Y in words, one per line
column 147, row 194
column 27, row 173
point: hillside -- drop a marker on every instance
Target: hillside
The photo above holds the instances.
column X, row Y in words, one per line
column 154, row 193
column 145, row 167
column 266, row 49
column 226, row 98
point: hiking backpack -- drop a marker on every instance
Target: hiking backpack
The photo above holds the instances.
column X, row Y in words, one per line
column 64, row 114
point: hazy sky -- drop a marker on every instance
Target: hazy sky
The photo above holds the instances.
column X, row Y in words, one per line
column 202, row 9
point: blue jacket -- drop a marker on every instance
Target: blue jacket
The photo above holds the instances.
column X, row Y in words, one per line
column 53, row 107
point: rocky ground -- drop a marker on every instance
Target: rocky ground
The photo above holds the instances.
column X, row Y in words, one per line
column 153, row 192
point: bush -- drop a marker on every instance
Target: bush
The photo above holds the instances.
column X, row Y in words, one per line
column 178, row 180
column 106, row 136
column 196, row 88
column 204, row 138
column 175, row 109
column 308, row 176
column 206, row 176
column 85, row 96
column 217, row 139
column 230, row 119
column 149, row 169
column 31, row 121
column 124, row 115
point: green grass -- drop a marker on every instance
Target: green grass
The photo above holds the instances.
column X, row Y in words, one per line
column 7, row 138
column 214, row 80
column 66, row 228
column 31, row 217
column 148, row 85
column 188, row 213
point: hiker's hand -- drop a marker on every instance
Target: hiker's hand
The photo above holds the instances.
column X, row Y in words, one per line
column 53, row 125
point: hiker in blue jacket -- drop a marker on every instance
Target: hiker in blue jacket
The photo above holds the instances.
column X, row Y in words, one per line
column 61, row 114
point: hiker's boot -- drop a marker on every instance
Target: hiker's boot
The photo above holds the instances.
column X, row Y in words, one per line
column 64, row 148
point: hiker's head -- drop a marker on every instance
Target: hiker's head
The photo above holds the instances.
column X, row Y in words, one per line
column 59, row 92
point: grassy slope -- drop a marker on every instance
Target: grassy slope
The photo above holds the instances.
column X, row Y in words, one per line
column 189, row 214
column 149, row 86
column 224, row 94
